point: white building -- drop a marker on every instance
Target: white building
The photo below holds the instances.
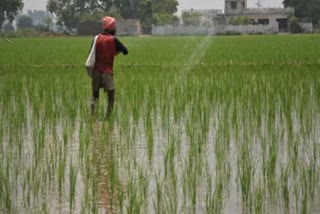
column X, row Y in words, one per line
column 276, row 19
column 236, row 19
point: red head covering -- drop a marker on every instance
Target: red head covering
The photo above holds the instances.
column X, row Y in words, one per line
column 109, row 23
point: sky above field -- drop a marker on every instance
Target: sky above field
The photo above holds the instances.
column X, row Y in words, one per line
column 183, row 4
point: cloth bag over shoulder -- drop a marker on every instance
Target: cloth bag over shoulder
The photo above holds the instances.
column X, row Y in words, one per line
column 91, row 60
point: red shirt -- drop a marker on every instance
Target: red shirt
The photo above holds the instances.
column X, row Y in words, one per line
column 105, row 53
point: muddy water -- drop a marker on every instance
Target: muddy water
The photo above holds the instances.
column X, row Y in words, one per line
column 115, row 173
column 136, row 160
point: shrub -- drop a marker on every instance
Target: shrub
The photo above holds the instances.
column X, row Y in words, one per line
column 295, row 26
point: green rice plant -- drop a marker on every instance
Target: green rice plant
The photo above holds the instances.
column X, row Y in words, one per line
column 285, row 188
column 158, row 202
column 94, row 197
column 133, row 200
column 26, row 189
column 169, row 157
column 120, row 198
column 271, row 164
column 85, row 172
column 72, row 183
column 5, row 193
column 2, row 145
column 84, row 139
column 258, row 198
column 214, row 194
column 190, row 180
column 61, row 170
column 306, row 195
column 297, row 196
column 150, row 140
column 209, row 200
column 172, row 197
column 143, row 188
column 245, row 173
column 44, row 208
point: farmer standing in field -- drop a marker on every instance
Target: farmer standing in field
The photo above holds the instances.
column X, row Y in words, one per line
column 107, row 47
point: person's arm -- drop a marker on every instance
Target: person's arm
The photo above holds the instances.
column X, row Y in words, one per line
column 120, row 47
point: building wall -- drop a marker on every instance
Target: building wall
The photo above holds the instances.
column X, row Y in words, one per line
column 89, row 28
column 213, row 30
column 130, row 27
column 272, row 19
column 239, row 4
column 264, row 20
column 181, row 30
column 307, row 27
column 264, row 16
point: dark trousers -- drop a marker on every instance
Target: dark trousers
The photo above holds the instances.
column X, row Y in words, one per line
column 105, row 81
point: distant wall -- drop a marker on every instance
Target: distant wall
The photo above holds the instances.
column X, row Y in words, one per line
column 124, row 27
column 307, row 27
column 248, row 29
column 180, row 30
column 217, row 29
column 130, row 27
column 89, row 28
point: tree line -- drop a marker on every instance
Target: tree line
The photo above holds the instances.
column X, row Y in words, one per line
column 70, row 12
column 305, row 9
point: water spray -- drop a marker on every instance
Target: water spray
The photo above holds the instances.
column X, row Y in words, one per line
column 8, row 40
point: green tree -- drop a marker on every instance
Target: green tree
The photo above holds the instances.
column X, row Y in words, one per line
column 295, row 26
column 70, row 12
column 165, row 19
column 145, row 14
column 191, row 18
column 128, row 9
column 136, row 9
column 24, row 21
column 66, row 12
column 241, row 20
column 48, row 21
column 148, row 11
column 9, row 9
column 305, row 9
column 163, row 12
column 165, row 6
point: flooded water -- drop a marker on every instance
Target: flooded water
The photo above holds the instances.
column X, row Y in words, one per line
column 156, row 167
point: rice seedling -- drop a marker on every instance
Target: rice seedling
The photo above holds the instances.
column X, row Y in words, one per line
column 73, row 181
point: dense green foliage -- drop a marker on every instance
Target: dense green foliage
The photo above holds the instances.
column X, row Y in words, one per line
column 24, row 21
column 295, row 26
column 201, row 125
column 240, row 20
column 9, row 9
column 163, row 12
column 190, row 18
column 149, row 12
column 305, row 9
